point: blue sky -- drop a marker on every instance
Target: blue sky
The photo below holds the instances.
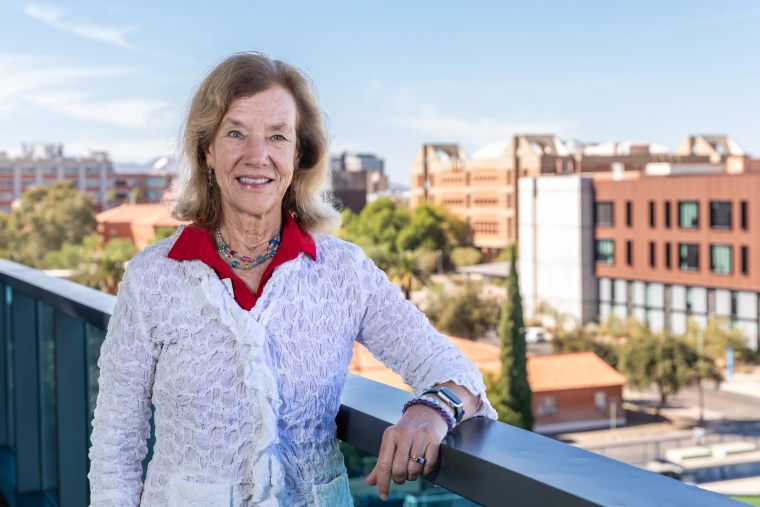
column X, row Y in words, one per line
column 390, row 75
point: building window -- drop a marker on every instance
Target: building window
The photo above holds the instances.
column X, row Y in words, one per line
column 745, row 260
column 604, row 214
column 71, row 171
column 156, row 182
column 6, row 196
column 6, row 170
column 720, row 215
column 49, row 171
column 745, row 225
column 651, row 214
column 605, row 251
column 720, row 259
column 6, row 183
column 688, row 215
column 667, row 255
column 667, row 214
column 92, row 182
column 27, row 170
column 629, row 253
column 509, row 200
column 734, row 304
column 92, row 170
column 628, row 213
column 688, row 258
column 600, row 400
column 547, row 405
column 651, row 254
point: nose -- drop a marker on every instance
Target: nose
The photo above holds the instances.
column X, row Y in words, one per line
column 256, row 153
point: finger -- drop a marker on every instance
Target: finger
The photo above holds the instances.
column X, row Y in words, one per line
column 384, row 464
column 414, row 468
column 401, row 458
column 432, row 453
column 372, row 479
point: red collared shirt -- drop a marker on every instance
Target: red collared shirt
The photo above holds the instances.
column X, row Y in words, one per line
column 195, row 243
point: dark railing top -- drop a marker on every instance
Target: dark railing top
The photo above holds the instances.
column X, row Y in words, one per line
column 90, row 305
column 488, row 462
column 496, row 464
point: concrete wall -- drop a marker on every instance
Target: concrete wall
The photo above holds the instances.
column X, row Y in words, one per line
column 556, row 245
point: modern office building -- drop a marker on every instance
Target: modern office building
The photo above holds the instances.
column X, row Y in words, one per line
column 483, row 188
column 355, row 176
column 44, row 164
column 151, row 180
column 662, row 245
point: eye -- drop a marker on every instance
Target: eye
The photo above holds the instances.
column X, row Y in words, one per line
column 235, row 133
column 279, row 137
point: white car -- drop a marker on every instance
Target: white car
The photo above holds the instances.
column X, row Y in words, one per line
column 534, row 335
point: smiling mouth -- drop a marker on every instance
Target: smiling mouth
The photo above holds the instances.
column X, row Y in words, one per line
column 254, row 181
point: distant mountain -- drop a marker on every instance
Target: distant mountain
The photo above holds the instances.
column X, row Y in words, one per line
column 398, row 186
column 165, row 164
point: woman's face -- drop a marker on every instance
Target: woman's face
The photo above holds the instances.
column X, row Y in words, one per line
column 254, row 152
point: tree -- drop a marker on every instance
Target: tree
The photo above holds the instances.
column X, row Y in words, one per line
column 162, row 233
column 513, row 395
column 134, row 195
column 586, row 338
column 47, row 218
column 717, row 338
column 506, row 253
column 669, row 363
column 425, row 230
column 558, row 318
column 102, row 265
column 467, row 314
column 465, row 256
column 408, row 268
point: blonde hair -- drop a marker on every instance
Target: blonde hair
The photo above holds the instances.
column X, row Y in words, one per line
column 241, row 75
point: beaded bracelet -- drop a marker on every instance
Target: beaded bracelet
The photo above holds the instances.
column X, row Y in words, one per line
column 435, row 405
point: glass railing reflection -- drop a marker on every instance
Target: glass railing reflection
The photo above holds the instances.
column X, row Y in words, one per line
column 410, row 494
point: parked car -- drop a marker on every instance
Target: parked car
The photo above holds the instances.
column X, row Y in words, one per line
column 534, row 335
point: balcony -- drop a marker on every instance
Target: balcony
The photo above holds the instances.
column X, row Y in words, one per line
column 51, row 331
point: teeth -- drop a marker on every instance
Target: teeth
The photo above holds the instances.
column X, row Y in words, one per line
column 254, row 181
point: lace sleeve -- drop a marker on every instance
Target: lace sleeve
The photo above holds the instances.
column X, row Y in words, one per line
column 400, row 336
column 120, row 427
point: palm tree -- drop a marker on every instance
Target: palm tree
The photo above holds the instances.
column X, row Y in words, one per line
column 407, row 268
column 102, row 266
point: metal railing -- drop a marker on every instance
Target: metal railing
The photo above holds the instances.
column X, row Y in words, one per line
column 50, row 336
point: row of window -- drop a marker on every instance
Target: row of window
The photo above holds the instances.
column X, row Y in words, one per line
column 486, row 202
column 720, row 213
column 688, row 256
column 485, row 227
column 454, row 202
column 50, row 170
column 548, row 405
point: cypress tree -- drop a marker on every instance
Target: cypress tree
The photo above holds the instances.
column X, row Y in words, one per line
column 514, row 396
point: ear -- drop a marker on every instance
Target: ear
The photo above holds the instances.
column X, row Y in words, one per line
column 208, row 150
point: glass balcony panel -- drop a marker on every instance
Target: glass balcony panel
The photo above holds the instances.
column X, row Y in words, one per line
column 48, row 417
column 419, row 493
column 95, row 338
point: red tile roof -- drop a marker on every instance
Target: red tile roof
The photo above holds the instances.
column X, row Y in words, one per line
column 555, row 372
column 156, row 215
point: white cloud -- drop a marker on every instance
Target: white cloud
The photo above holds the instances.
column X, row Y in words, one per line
column 477, row 131
column 38, row 83
column 58, row 19
column 137, row 150
column 134, row 113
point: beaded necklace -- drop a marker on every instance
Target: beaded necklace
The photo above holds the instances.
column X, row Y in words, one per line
column 246, row 262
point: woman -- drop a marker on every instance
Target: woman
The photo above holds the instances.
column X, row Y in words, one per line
column 240, row 328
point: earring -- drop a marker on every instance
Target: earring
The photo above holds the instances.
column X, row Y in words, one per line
column 210, row 177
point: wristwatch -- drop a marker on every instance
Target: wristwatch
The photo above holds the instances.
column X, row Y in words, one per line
column 450, row 399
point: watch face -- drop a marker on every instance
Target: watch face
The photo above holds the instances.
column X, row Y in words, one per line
column 453, row 397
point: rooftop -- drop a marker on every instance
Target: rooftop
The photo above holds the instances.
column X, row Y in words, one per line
column 576, row 370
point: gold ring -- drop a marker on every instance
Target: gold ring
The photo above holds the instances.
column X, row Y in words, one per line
column 421, row 461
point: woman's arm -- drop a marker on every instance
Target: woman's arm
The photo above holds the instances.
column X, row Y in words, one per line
column 400, row 336
column 120, row 427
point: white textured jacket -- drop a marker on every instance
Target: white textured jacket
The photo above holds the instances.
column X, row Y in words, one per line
column 245, row 402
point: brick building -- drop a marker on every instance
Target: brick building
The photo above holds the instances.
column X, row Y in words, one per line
column 672, row 242
column 571, row 392
column 44, row 164
column 135, row 222
column 483, row 188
